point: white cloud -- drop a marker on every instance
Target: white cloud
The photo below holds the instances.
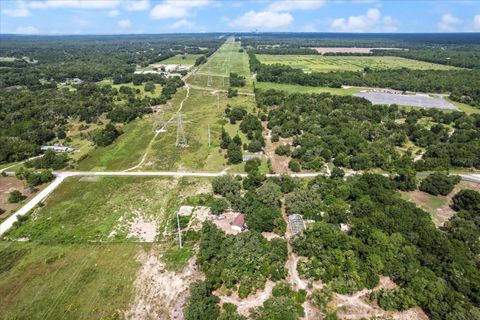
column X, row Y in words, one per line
column 80, row 4
column 448, row 23
column 182, row 24
column 175, row 9
column 113, row 13
column 265, row 20
column 27, row 30
column 137, row 5
column 476, row 22
column 167, row 11
column 372, row 21
column 124, row 24
column 295, row 5
column 20, row 11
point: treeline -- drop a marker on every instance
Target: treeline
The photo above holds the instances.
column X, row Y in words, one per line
column 464, row 56
column 285, row 50
column 464, row 85
column 351, row 133
column 395, row 40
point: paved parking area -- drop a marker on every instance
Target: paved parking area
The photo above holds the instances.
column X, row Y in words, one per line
column 417, row 100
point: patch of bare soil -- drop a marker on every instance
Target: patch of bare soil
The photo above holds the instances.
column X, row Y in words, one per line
column 279, row 163
column 160, row 293
column 200, row 214
column 9, row 184
column 357, row 306
column 142, row 229
column 252, row 301
column 270, row 235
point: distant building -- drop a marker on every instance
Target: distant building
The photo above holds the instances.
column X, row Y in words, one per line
column 57, row 147
column 238, row 224
column 296, row 224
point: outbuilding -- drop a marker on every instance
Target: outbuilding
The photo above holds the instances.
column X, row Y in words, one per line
column 238, row 224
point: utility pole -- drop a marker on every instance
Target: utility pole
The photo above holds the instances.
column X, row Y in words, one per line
column 179, row 231
column 209, row 136
column 181, row 141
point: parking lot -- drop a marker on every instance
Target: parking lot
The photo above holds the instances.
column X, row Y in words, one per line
column 416, row 100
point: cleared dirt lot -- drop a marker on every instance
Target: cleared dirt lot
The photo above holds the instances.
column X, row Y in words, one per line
column 7, row 185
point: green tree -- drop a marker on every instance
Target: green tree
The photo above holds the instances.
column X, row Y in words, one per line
column 15, row 196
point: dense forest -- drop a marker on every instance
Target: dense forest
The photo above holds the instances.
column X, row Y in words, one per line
column 352, row 134
column 437, row 270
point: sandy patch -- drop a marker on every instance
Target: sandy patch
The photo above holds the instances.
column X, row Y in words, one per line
column 142, row 229
column 356, row 306
column 159, row 293
column 270, row 235
column 254, row 300
column 279, row 163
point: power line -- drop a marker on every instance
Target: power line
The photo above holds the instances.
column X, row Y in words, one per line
column 181, row 141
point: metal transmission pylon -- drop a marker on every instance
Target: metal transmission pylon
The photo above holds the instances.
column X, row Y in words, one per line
column 181, row 139
column 159, row 124
column 196, row 77
column 209, row 81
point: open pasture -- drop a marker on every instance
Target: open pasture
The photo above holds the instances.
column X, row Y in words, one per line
column 80, row 281
column 318, row 63
column 108, row 209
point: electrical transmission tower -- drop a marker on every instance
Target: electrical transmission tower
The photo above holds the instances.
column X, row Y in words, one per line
column 159, row 124
column 209, row 81
column 196, row 77
column 181, row 141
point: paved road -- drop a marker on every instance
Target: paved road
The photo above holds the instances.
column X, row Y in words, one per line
column 60, row 176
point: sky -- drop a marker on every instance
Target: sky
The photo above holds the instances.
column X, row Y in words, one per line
column 54, row 17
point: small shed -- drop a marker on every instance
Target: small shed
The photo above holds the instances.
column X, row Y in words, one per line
column 238, row 224
column 296, row 224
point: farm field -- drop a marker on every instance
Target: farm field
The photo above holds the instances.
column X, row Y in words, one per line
column 183, row 60
column 226, row 59
column 341, row 63
column 108, row 209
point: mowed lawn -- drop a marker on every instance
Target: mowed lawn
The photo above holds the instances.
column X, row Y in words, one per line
column 200, row 113
column 66, row 281
column 92, row 209
column 310, row 63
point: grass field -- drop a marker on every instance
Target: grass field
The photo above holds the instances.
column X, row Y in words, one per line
column 71, row 269
column 296, row 88
column 187, row 60
column 84, row 281
column 343, row 63
column 86, row 209
column 225, row 60
column 200, row 111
